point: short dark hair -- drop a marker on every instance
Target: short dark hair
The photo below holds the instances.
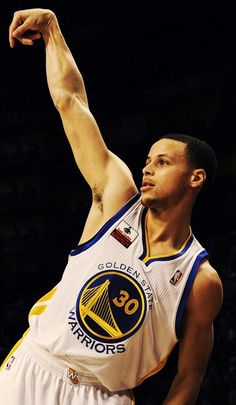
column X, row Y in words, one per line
column 200, row 155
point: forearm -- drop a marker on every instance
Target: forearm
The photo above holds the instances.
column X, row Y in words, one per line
column 184, row 390
column 64, row 78
column 97, row 164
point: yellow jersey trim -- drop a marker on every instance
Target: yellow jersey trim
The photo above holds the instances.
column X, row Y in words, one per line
column 166, row 255
column 15, row 347
column 157, row 368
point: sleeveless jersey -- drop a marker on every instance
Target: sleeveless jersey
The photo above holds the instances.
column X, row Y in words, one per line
column 116, row 313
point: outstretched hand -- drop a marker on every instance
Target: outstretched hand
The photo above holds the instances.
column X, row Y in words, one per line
column 28, row 25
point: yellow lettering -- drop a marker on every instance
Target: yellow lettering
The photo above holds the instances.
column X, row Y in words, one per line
column 130, row 306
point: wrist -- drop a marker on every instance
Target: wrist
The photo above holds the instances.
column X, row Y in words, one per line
column 51, row 27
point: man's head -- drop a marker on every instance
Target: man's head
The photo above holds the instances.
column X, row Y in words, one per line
column 199, row 154
column 177, row 168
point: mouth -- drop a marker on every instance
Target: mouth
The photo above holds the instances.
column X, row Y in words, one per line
column 146, row 185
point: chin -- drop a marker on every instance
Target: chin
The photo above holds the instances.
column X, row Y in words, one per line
column 148, row 202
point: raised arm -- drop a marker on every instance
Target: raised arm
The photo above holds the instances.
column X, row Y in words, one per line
column 109, row 178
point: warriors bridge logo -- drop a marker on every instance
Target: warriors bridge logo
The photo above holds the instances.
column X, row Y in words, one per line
column 110, row 308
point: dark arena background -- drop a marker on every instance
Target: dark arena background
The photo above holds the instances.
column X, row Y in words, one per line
column 150, row 68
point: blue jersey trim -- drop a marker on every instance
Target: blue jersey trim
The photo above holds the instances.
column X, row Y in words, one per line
column 86, row 245
column 159, row 259
column 174, row 256
column 143, row 255
column 192, row 275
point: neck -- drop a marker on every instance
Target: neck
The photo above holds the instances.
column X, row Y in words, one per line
column 166, row 232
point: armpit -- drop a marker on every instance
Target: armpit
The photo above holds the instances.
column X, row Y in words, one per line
column 98, row 196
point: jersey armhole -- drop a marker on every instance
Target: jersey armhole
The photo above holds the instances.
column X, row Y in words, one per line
column 86, row 245
column 180, row 312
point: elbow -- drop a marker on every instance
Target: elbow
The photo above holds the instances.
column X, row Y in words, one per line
column 64, row 100
column 67, row 92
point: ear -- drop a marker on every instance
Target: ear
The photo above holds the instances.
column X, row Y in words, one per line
column 197, row 178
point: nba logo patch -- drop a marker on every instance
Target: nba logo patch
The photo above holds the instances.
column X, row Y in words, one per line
column 9, row 363
column 124, row 233
column 176, row 277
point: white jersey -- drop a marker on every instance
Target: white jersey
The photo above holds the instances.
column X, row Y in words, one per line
column 116, row 313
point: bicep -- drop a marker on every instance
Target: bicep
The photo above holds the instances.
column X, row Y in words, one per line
column 203, row 306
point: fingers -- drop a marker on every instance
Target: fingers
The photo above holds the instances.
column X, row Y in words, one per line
column 16, row 23
column 28, row 25
column 12, row 28
column 20, row 29
column 27, row 39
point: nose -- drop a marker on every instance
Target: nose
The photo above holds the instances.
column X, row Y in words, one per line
column 148, row 169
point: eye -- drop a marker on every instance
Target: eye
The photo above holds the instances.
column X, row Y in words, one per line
column 162, row 162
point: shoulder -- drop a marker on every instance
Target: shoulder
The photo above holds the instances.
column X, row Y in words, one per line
column 206, row 296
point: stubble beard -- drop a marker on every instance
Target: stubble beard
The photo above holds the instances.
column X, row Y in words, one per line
column 153, row 202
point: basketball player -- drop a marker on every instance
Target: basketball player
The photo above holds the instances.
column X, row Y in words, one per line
column 138, row 282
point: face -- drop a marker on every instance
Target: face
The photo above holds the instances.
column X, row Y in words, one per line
column 166, row 174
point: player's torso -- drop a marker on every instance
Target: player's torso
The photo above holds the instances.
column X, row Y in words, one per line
column 115, row 307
